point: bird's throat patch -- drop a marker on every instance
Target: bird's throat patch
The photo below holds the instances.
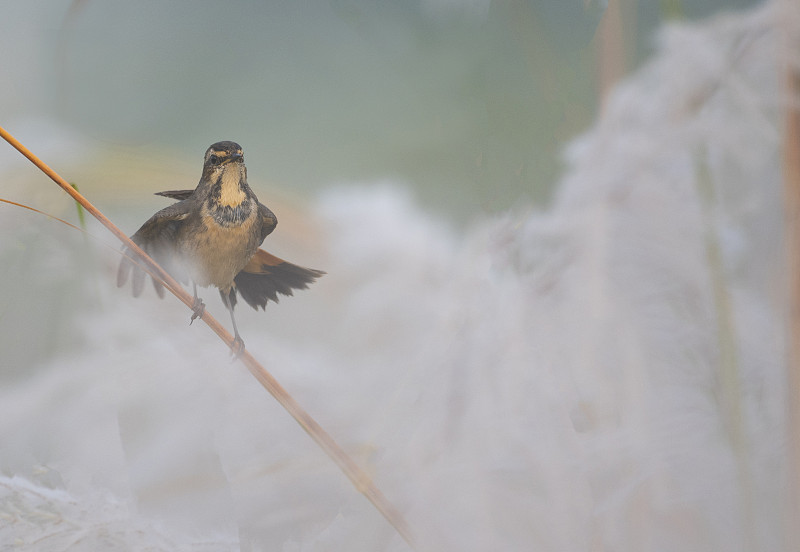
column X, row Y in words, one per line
column 228, row 202
column 230, row 192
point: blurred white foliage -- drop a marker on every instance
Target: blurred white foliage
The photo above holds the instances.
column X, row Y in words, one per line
column 38, row 517
column 591, row 377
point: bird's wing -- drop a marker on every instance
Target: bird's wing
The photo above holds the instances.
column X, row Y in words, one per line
column 268, row 221
column 180, row 195
column 265, row 276
column 157, row 238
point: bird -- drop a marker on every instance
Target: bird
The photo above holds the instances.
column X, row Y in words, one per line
column 211, row 237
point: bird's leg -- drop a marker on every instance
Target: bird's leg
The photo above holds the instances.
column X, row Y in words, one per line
column 238, row 345
column 198, row 307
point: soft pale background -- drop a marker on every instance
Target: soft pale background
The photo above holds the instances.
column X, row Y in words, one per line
column 603, row 373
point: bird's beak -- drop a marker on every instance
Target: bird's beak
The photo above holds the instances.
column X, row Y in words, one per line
column 235, row 157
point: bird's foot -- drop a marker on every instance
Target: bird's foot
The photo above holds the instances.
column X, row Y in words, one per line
column 198, row 308
column 237, row 348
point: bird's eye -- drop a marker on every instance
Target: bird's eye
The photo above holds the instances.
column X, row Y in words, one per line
column 214, row 160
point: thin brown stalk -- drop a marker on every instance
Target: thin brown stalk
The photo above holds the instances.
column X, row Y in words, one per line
column 29, row 208
column 357, row 476
column 610, row 44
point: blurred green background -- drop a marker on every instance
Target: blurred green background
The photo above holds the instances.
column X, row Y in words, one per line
column 468, row 102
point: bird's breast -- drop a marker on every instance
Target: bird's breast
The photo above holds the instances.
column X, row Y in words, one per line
column 229, row 216
column 222, row 243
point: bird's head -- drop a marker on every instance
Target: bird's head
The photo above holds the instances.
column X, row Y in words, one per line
column 221, row 154
column 224, row 174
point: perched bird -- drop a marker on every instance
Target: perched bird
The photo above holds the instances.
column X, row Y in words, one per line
column 211, row 238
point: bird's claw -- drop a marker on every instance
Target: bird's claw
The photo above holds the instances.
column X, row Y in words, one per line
column 198, row 308
column 237, row 348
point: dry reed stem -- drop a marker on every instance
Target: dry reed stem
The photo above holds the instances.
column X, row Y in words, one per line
column 29, row 208
column 611, row 56
column 357, row 476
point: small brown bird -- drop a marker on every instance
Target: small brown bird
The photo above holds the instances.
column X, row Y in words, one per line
column 211, row 238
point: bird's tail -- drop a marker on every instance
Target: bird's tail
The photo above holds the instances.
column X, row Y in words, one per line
column 265, row 276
